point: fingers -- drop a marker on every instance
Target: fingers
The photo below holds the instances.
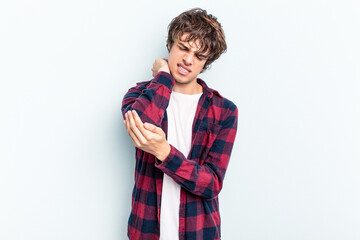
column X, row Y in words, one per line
column 145, row 136
column 160, row 64
column 137, row 127
column 154, row 129
column 133, row 131
column 130, row 132
column 141, row 133
column 145, row 133
column 154, row 69
column 150, row 127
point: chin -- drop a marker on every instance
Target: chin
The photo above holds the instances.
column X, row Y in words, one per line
column 182, row 79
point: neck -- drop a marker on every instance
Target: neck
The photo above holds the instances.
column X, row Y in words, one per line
column 189, row 89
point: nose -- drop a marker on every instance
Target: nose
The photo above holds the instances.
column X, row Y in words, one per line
column 188, row 58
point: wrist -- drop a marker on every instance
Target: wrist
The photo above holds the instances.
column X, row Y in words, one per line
column 164, row 152
column 164, row 69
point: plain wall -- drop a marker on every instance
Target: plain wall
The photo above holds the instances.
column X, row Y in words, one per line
column 67, row 163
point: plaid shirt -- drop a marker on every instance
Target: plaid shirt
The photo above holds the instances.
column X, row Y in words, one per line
column 200, row 174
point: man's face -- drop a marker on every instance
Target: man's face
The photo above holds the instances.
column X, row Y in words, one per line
column 185, row 61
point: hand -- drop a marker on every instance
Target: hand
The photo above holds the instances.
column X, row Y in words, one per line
column 160, row 64
column 146, row 136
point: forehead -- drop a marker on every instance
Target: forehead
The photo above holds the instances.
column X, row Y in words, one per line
column 195, row 44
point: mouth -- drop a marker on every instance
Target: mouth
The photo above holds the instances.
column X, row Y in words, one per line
column 183, row 70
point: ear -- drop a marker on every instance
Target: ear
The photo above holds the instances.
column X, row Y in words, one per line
column 168, row 48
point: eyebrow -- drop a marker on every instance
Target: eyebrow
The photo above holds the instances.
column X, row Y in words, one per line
column 187, row 49
column 183, row 45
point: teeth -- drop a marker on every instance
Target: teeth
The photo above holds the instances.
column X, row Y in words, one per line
column 183, row 69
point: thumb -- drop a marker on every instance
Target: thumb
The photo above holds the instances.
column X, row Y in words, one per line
column 151, row 127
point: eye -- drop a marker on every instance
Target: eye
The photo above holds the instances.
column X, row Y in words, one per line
column 201, row 57
column 181, row 48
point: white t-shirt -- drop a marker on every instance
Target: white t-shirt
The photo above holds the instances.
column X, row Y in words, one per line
column 180, row 113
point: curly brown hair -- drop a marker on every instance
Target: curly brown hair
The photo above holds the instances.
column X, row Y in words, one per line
column 200, row 26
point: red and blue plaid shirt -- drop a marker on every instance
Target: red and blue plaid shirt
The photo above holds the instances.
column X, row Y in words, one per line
column 200, row 174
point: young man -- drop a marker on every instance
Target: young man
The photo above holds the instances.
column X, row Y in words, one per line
column 183, row 132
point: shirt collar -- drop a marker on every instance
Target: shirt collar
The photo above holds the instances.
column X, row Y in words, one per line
column 206, row 90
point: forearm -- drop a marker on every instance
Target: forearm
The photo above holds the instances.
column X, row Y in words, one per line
column 203, row 175
column 200, row 180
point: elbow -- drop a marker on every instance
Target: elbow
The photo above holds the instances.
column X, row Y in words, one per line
column 210, row 193
column 125, row 108
column 213, row 187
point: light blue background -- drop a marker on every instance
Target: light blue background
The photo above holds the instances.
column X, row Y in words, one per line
column 67, row 163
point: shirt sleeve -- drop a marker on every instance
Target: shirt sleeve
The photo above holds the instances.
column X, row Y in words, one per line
column 150, row 99
column 204, row 180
